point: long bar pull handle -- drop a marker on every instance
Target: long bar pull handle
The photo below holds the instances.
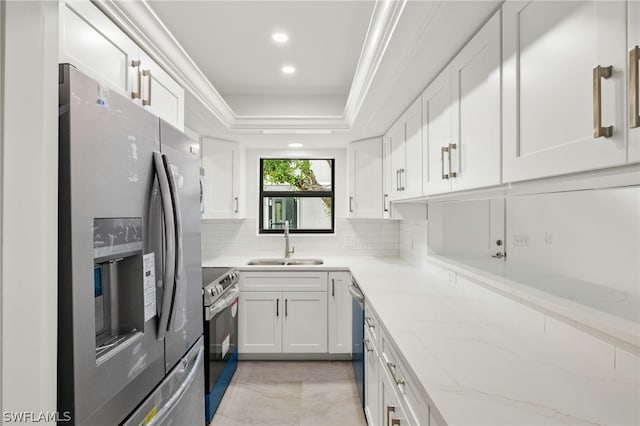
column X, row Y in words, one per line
column 369, row 324
column 180, row 288
column 390, row 409
column 384, row 203
column 333, row 287
column 634, row 93
column 366, row 345
column 277, row 307
column 138, row 94
column 402, row 188
column 147, row 73
column 286, row 309
column 599, row 73
column 235, row 199
column 170, row 244
column 398, row 180
column 392, row 370
column 443, row 150
column 452, row 146
column 350, row 204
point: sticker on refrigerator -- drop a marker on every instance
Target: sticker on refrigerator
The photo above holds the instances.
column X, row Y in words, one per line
column 225, row 346
column 149, row 276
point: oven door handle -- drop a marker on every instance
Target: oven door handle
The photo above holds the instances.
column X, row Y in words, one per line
column 223, row 303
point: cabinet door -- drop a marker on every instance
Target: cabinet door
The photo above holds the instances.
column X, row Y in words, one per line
column 398, row 154
column 371, row 407
column 365, row 179
column 260, row 322
column 411, row 177
column 219, row 160
column 436, row 134
column 160, row 93
column 96, row 46
column 339, row 313
column 475, row 72
column 386, row 175
column 304, row 328
column 633, row 20
column 549, row 52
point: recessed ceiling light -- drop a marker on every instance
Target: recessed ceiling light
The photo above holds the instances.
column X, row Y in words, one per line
column 280, row 37
column 296, row 145
column 288, row 69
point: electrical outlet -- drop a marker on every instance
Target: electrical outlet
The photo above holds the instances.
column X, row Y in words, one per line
column 521, row 240
column 548, row 238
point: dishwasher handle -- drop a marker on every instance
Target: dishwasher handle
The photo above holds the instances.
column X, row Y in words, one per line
column 356, row 294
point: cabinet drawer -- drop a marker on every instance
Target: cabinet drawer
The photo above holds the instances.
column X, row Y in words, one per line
column 283, row 281
column 405, row 386
column 371, row 325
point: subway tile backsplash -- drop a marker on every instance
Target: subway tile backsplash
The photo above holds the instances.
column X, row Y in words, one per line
column 353, row 237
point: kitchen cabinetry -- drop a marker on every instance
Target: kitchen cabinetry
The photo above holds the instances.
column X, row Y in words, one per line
column 461, row 118
column 94, row 44
column 283, row 312
column 371, row 379
column 394, row 414
column 365, row 179
column 386, row 175
column 562, row 113
column 406, row 154
column 633, row 49
column 339, row 313
column 221, row 187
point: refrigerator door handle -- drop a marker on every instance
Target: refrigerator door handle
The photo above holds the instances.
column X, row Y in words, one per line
column 179, row 393
column 170, row 244
column 179, row 298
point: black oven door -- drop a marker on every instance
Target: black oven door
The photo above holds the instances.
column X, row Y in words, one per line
column 221, row 335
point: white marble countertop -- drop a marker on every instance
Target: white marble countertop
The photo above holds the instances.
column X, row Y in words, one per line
column 484, row 359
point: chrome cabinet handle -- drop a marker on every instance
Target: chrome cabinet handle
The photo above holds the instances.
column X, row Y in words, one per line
column 402, row 171
column 384, row 203
column 452, row 146
column 277, row 307
column 138, row 94
column 147, row 102
column 366, row 345
column 237, row 204
column 350, row 204
column 599, row 73
column 634, row 94
column 390, row 409
column 286, row 309
column 398, row 180
column 392, row 370
column 333, row 287
column 368, row 321
column 443, row 150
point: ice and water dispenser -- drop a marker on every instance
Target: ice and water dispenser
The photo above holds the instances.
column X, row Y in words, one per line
column 118, row 283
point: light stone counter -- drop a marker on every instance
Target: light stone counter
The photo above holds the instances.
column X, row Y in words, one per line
column 484, row 359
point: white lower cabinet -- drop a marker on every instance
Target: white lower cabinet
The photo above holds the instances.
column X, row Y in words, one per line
column 339, row 312
column 304, row 326
column 260, row 322
column 392, row 412
column 371, row 378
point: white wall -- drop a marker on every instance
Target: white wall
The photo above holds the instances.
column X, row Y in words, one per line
column 29, row 205
column 413, row 231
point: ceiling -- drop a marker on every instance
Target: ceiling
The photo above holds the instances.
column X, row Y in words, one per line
column 359, row 63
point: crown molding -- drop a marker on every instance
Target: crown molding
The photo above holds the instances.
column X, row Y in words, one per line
column 141, row 23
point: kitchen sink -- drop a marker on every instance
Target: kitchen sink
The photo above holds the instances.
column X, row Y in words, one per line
column 284, row 262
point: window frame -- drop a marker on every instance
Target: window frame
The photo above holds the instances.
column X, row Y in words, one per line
column 298, row 194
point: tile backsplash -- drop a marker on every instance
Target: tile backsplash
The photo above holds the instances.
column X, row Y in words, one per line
column 353, row 237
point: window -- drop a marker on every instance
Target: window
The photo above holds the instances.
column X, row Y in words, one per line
column 300, row 191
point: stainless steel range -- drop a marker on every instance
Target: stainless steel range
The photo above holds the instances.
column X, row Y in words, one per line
column 220, row 296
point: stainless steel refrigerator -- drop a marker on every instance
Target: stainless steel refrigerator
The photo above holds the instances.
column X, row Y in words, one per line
column 130, row 304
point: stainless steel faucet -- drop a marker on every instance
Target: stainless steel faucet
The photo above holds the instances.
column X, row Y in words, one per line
column 287, row 250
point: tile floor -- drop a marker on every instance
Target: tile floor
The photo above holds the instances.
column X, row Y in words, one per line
column 314, row 393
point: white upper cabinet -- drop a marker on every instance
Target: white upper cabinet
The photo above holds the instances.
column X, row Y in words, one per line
column 461, row 118
column 365, row 179
column 475, row 77
column 436, row 134
column 406, row 154
column 562, row 114
column 386, row 175
column 633, row 50
column 90, row 41
column 221, row 163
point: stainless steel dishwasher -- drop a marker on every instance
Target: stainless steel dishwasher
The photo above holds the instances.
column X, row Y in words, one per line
column 357, row 333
